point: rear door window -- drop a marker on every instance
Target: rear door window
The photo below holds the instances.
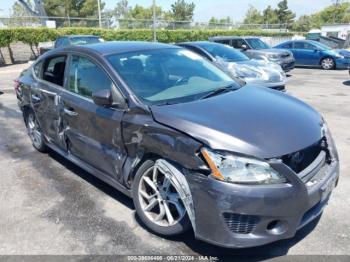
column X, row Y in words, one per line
column 287, row 45
column 299, row 45
column 54, row 70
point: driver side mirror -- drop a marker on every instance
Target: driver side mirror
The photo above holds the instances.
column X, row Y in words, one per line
column 103, row 97
column 244, row 47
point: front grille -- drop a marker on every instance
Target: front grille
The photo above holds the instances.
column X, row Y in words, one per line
column 299, row 160
column 241, row 224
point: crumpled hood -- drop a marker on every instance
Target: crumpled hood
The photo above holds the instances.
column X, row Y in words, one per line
column 252, row 120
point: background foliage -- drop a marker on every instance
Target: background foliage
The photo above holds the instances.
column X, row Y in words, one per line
column 32, row 36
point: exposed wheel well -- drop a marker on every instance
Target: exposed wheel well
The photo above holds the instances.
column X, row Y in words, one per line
column 133, row 171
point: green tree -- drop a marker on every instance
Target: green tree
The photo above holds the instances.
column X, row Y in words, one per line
column 270, row 15
column 336, row 13
column 122, row 9
column 253, row 16
column 182, row 11
column 73, row 8
column 303, row 24
column 284, row 14
column 18, row 12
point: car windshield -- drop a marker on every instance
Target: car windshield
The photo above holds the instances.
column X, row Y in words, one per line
column 225, row 52
column 256, row 43
column 85, row 40
column 321, row 46
column 171, row 75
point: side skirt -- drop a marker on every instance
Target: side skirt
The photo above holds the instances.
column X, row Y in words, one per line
column 97, row 173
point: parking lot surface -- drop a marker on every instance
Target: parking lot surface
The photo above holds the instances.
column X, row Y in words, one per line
column 50, row 206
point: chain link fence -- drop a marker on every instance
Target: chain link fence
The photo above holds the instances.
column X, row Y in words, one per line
column 112, row 22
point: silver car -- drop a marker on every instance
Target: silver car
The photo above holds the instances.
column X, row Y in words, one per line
column 238, row 65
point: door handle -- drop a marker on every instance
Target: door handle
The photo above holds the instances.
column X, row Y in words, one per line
column 70, row 112
column 36, row 98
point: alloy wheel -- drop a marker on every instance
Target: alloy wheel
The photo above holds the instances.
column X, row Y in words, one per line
column 34, row 131
column 159, row 200
column 327, row 63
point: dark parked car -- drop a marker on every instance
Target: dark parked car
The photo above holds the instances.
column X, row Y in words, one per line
column 242, row 166
column 238, row 65
column 254, row 47
column 68, row 40
column 312, row 53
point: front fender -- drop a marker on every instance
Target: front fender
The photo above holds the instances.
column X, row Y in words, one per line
column 143, row 137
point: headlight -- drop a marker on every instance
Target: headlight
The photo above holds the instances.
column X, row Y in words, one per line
column 339, row 56
column 273, row 57
column 241, row 170
column 245, row 71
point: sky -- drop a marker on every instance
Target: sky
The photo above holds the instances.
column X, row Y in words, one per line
column 205, row 9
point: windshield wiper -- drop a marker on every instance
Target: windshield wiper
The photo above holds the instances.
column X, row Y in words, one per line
column 219, row 91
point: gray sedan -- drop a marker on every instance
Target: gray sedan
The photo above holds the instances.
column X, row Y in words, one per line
column 238, row 65
column 241, row 165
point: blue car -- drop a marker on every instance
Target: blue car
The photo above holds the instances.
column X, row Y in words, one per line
column 312, row 53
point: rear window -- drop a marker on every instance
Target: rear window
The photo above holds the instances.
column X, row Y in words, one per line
column 85, row 40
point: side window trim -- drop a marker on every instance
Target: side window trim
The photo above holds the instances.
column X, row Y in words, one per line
column 99, row 65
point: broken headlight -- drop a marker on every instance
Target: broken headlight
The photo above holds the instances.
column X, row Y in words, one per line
column 241, row 170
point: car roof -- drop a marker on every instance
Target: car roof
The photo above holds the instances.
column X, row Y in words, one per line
column 232, row 37
column 73, row 36
column 196, row 43
column 117, row 47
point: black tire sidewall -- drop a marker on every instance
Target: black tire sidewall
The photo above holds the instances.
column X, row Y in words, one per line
column 179, row 228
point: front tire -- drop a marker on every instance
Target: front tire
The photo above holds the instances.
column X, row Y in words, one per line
column 34, row 131
column 157, row 202
column 328, row 63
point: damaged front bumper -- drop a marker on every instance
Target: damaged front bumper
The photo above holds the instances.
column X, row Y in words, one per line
column 238, row 216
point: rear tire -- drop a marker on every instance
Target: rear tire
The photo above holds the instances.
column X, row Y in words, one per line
column 34, row 131
column 328, row 63
column 157, row 202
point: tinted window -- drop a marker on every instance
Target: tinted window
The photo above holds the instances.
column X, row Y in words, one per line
column 54, row 70
column 256, row 43
column 37, row 69
column 84, row 40
column 85, row 77
column 321, row 46
column 169, row 75
column 198, row 51
column 225, row 52
column 299, row 45
column 223, row 41
column 309, row 46
column 58, row 42
column 287, row 45
column 237, row 43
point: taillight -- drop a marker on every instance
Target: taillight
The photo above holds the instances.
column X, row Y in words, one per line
column 16, row 84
